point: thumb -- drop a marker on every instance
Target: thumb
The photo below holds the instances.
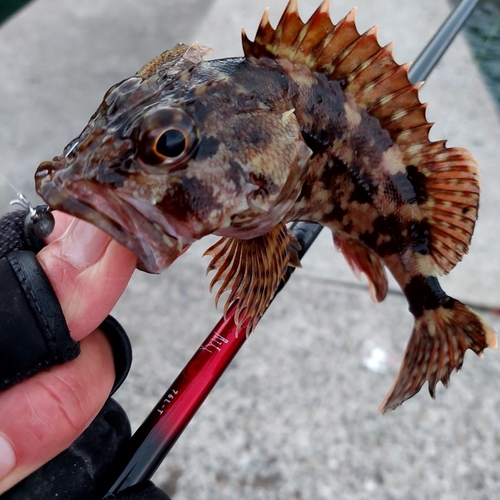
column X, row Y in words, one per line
column 88, row 271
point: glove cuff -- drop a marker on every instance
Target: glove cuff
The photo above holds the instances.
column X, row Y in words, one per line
column 122, row 349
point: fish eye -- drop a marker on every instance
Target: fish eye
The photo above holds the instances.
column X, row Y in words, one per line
column 168, row 137
column 171, row 143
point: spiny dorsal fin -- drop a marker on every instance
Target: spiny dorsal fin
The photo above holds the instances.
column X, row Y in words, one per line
column 369, row 72
column 381, row 86
column 251, row 270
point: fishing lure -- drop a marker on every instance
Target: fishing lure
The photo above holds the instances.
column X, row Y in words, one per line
column 39, row 220
column 315, row 123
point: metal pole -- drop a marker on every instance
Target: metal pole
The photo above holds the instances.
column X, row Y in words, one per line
column 440, row 42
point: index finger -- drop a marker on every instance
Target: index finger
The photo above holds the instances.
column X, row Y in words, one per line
column 87, row 269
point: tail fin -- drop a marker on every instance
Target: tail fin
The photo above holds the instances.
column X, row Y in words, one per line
column 436, row 348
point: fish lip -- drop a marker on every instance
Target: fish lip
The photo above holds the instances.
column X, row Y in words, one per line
column 156, row 249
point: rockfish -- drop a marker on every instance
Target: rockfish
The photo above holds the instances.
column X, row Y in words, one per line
column 315, row 123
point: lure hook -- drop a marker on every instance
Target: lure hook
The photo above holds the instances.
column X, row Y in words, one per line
column 39, row 220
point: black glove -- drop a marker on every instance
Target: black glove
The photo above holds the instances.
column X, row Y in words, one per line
column 34, row 336
column 33, row 332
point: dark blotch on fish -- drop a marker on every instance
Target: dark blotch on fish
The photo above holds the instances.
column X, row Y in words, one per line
column 424, row 293
column 417, row 179
column 208, row 147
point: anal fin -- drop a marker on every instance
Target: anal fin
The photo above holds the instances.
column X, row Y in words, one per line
column 437, row 347
column 251, row 270
column 363, row 260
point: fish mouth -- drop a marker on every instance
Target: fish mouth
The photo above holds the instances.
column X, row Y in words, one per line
column 155, row 248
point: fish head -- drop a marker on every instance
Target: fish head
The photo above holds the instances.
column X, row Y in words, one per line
column 172, row 155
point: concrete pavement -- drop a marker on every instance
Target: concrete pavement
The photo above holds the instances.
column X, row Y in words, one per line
column 294, row 416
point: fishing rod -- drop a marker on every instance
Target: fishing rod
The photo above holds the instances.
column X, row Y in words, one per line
column 163, row 426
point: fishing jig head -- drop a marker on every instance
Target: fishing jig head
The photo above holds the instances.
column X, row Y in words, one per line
column 39, row 220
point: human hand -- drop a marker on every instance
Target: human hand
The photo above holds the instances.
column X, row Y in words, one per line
column 43, row 415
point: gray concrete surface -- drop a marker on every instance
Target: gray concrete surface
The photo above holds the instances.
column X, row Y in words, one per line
column 295, row 415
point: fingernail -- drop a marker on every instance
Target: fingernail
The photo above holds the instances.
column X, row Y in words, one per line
column 7, row 456
column 83, row 244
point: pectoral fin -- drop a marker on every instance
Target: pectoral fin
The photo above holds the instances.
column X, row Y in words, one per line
column 251, row 270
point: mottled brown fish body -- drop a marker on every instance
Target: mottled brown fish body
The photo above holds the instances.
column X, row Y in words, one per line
column 315, row 123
